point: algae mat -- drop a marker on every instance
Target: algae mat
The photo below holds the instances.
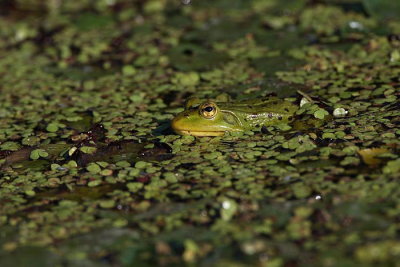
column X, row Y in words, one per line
column 92, row 175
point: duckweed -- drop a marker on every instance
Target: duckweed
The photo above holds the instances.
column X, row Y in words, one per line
column 91, row 174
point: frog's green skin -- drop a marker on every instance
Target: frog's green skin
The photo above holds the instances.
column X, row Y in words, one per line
column 232, row 116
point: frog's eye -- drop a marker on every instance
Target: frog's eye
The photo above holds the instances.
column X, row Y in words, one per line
column 208, row 110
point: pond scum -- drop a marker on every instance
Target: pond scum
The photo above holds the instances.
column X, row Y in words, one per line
column 92, row 175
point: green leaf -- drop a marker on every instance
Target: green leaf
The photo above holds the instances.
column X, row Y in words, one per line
column 88, row 149
column 136, row 98
column 283, row 127
column 128, row 70
column 392, row 166
column 170, row 177
column 301, row 191
column 38, row 153
column 94, row 183
column 123, row 164
column 13, row 146
column 54, row 166
column 52, row 127
column 328, row 136
column 30, row 192
column 320, row 114
column 71, row 164
column 93, row 168
column 140, row 164
column 186, row 79
column 134, row 187
column 43, row 153
column 107, row 204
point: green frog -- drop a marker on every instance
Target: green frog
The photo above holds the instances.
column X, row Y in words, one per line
column 209, row 118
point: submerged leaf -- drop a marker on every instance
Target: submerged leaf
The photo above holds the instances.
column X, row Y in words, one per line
column 369, row 155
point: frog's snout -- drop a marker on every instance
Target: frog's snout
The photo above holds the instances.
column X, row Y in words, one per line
column 177, row 123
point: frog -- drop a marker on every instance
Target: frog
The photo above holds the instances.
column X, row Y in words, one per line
column 211, row 118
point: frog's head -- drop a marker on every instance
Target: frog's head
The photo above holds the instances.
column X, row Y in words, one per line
column 202, row 119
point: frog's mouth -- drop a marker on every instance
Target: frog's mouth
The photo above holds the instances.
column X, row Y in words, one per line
column 181, row 125
column 199, row 133
column 182, row 129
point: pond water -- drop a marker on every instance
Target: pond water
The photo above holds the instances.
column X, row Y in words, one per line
column 91, row 173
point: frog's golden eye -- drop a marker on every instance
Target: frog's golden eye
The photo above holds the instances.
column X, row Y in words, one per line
column 208, row 110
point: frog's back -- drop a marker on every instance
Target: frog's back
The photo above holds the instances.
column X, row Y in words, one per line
column 260, row 112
